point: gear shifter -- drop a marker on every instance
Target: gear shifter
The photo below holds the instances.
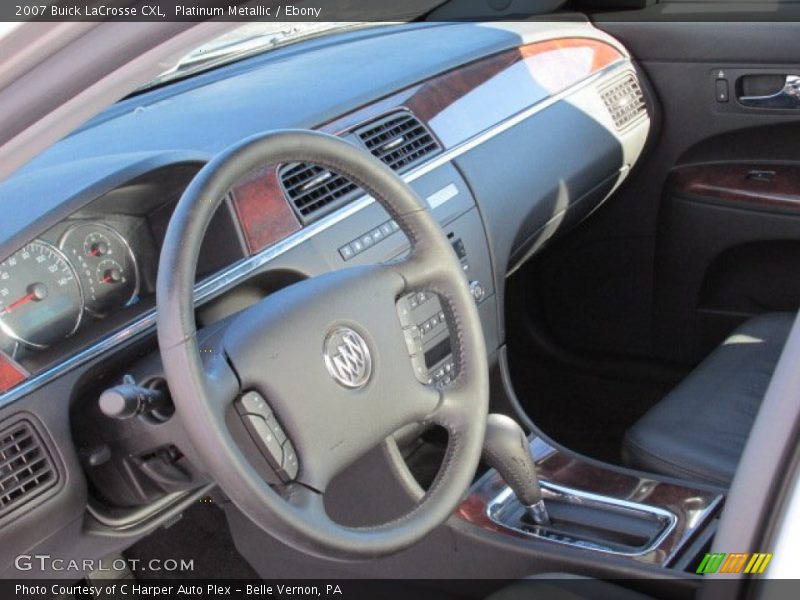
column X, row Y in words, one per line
column 505, row 448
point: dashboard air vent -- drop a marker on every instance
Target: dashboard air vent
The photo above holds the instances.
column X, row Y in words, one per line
column 400, row 140
column 25, row 466
column 314, row 190
column 624, row 101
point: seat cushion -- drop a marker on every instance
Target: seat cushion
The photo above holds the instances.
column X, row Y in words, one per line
column 564, row 586
column 698, row 431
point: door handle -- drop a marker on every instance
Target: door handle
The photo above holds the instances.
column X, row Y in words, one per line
column 787, row 97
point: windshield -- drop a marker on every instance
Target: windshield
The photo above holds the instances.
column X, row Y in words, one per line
column 244, row 41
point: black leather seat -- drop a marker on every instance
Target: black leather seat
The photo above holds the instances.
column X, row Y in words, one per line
column 564, row 586
column 698, row 431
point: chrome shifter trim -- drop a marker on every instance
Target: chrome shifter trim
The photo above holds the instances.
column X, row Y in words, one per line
column 538, row 512
column 506, row 501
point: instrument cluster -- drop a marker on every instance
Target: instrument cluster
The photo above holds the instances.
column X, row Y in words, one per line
column 48, row 288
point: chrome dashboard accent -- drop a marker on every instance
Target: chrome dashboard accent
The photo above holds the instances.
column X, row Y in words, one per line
column 237, row 272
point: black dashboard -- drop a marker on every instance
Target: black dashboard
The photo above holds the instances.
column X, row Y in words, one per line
column 511, row 136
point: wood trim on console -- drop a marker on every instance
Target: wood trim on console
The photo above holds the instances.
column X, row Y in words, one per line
column 455, row 105
column 692, row 507
column 11, row 373
column 761, row 186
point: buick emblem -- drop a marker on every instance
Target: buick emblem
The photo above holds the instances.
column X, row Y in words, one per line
column 347, row 357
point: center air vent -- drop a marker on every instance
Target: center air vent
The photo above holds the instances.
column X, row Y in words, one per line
column 624, row 100
column 400, row 140
column 314, row 190
column 25, row 466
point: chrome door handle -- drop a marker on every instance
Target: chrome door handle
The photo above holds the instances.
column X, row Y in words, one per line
column 788, row 97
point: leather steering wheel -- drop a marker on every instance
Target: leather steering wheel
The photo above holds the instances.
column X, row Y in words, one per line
column 275, row 348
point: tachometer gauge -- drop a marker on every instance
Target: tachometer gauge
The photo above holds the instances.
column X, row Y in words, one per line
column 105, row 264
column 41, row 300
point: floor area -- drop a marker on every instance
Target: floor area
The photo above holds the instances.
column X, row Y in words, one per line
column 201, row 535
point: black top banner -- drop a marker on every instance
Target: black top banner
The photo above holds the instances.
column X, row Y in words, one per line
column 395, row 10
column 220, row 10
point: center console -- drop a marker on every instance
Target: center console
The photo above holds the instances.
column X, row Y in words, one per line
column 600, row 508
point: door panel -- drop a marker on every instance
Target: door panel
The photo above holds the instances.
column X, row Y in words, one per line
column 728, row 248
column 663, row 272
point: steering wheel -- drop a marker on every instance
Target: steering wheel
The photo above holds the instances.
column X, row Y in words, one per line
column 330, row 357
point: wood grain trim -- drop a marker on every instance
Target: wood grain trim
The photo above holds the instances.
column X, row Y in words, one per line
column 455, row 105
column 11, row 373
column 688, row 504
column 758, row 186
column 500, row 85
column 263, row 211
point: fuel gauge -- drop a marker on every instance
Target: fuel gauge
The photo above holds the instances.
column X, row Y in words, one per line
column 105, row 264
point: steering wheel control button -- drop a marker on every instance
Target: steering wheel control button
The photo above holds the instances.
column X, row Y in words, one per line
column 252, row 402
column 267, row 433
column 347, row 357
column 290, row 463
column 276, row 428
column 413, row 337
column 265, row 439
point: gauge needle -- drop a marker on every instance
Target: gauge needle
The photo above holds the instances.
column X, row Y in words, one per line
column 25, row 299
column 38, row 291
column 112, row 276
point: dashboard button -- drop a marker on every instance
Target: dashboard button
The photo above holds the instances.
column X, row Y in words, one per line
column 722, row 90
column 357, row 246
column 346, row 252
column 477, row 290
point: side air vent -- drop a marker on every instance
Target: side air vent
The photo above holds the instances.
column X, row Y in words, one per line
column 25, row 466
column 400, row 140
column 313, row 190
column 624, row 101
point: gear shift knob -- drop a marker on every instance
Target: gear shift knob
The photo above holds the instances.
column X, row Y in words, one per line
column 505, row 448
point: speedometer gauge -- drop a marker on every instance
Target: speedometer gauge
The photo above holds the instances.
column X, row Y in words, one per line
column 105, row 264
column 41, row 300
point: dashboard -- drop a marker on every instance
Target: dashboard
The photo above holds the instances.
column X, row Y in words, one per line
column 512, row 136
